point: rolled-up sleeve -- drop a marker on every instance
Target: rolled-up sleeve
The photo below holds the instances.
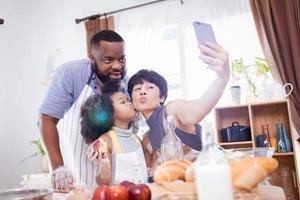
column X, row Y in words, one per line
column 60, row 95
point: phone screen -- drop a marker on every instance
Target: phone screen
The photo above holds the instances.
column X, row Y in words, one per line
column 204, row 32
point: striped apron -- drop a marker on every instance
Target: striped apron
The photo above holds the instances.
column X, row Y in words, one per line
column 72, row 145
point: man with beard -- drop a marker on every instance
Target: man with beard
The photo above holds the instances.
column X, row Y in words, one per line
column 59, row 120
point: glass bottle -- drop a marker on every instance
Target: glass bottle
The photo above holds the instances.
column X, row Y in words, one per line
column 171, row 145
column 280, row 138
column 266, row 135
column 213, row 179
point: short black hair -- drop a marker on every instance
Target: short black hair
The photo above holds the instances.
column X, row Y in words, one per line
column 97, row 113
column 105, row 35
column 149, row 76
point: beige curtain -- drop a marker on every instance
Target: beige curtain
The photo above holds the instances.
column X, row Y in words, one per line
column 96, row 25
column 278, row 26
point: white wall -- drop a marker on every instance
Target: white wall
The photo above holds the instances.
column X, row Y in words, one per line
column 32, row 31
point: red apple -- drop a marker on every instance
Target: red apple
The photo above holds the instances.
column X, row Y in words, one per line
column 140, row 192
column 99, row 193
column 96, row 145
column 127, row 185
column 117, row 192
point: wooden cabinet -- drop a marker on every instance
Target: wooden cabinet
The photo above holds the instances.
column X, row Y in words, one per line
column 255, row 115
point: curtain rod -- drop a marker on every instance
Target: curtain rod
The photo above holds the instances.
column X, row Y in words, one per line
column 120, row 10
column 1, row 21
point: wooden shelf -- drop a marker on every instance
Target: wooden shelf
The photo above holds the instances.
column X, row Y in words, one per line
column 234, row 143
column 255, row 115
column 252, row 104
column 284, row 154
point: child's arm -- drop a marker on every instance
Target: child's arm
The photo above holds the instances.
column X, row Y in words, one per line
column 100, row 155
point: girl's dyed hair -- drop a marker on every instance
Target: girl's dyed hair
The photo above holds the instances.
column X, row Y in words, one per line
column 97, row 113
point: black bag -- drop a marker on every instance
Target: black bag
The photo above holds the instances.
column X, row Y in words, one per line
column 236, row 133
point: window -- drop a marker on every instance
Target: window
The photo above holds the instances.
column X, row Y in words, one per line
column 163, row 39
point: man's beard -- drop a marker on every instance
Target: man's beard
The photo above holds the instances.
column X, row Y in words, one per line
column 104, row 78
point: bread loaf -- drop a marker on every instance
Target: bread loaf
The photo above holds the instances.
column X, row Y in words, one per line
column 247, row 173
column 170, row 171
column 250, row 178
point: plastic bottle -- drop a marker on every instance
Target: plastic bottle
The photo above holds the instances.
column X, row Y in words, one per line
column 213, row 178
column 171, row 145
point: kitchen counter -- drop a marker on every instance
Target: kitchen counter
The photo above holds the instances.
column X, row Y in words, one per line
column 264, row 192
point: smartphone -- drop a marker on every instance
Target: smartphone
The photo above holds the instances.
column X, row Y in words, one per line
column 204, row 32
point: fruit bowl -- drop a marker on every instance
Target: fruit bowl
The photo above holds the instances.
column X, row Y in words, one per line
column 242, row 153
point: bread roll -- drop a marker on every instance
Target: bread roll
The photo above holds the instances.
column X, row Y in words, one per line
column 183, row 163
column 190, row 173
column 247, row 173
column 170, row 171
column 250, row 178
column 79, row 194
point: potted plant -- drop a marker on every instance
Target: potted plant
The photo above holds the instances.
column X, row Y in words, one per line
column 251, row 73
column 41, row 152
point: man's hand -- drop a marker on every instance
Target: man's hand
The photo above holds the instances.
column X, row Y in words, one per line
column 216, row 58
column 62, row 180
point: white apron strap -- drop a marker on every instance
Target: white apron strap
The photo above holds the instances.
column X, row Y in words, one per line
column 129, row 166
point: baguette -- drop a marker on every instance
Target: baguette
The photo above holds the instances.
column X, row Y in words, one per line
column 170, row 171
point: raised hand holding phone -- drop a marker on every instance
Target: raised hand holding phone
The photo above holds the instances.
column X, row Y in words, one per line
column 204, row 32
column 211, row 53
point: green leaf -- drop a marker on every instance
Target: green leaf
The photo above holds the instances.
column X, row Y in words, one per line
column 262, row 66
column 40, row 151
column 237, row 65
column 39, row 145
column 260, row 59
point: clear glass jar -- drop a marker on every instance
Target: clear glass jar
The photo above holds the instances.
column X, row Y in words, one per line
column 171, row 145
